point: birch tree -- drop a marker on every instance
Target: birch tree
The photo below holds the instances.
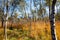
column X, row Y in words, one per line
column 52, row 21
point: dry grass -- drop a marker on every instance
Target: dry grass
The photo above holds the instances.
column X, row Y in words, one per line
column 58, row 29
column 38, row 29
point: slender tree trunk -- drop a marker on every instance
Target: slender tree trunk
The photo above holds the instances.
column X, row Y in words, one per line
column 52, row 21
column 2, row 21
column 11, row 28
column 30, row 19
column 6, row 20
column 34, row 16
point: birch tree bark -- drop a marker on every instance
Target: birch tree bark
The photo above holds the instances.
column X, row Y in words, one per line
column 52, row 21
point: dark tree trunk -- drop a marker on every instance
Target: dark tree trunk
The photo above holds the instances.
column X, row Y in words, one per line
column 52, row 21
column 2, row 21
column 11, row 28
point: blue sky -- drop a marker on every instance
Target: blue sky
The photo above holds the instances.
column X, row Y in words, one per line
column 27, row 7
